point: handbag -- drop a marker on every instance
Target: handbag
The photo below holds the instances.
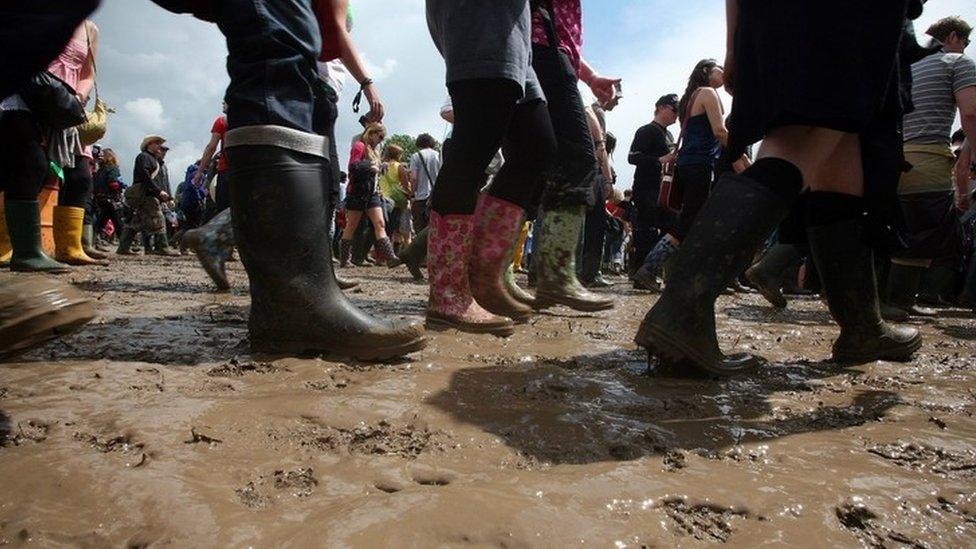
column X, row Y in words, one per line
column 669, row 196
column 96, row 122
column 53, row 101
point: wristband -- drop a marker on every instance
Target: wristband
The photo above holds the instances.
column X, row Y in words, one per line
column 359, row 95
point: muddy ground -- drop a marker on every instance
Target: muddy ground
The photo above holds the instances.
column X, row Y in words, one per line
column 154, row 427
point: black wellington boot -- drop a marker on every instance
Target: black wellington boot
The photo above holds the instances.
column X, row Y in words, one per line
column 938, row 286
column 767, row 275
column 413, row 256
column 281, row 216
column 738, row 216
column 903, row 284
column 846, row 265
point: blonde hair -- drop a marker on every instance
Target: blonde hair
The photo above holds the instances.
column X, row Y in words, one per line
column 372, row 129
column 109, row 158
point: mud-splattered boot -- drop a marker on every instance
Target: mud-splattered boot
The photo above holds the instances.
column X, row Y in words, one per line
column 514, row 290
column 125, row 242
column 736, row 218
column 384, row 251
column 281, row 226
column 557, row 283
column 68, row 221
column 24, row 227
column 37, row 309
column 212, row 244
column 846, row 266
column 88, row 242
column 451, row 304
column 646, row 277
column 497, row 224
column 413, row 256
column 767, row 275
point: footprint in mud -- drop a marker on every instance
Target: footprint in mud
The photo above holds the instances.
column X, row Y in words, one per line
column 25, row 431
column 330, row 383
column 918, row 456
column 261, row 493
column 703, row 521
column 235, row 368
column 865, row 525
column 119, row 444
column 384, row 438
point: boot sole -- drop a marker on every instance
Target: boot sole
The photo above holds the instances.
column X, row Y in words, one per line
column 45, row 326
column 53, row 270
column 775, row 300
column 436, row 322
column 901, row 354
column 545, row 301
column 670, row 348
column 376, row 353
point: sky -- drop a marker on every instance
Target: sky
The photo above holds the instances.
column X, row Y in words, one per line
column 165, row 74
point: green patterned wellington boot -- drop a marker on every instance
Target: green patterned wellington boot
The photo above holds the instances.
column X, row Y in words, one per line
column 558, row 284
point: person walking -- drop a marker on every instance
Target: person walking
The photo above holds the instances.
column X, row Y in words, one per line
column 425, row 165
column 814, row 87
column 364, row 197
column 703, row 132
column 144, row 198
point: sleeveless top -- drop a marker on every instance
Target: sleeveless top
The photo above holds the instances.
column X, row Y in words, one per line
column 699, row 145
column 390, row 185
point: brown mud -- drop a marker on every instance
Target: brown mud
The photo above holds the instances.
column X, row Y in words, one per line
column 155, row 427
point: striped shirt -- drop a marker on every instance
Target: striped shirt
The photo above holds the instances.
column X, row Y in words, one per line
column 936, row 79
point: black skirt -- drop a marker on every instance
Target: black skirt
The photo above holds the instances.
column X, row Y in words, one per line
column 822, row 63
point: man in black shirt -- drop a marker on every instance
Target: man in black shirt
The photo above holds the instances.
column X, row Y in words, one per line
column 653, row 146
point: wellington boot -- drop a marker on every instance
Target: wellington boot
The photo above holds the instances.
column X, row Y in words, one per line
column 497, row 224
column 738, row 216
column 125, row 242
column 515, row 291
column 557, row 283
column 846, row 265
column 24, row 227
column 646, row 277
column 37, row 309
column 384, row 251
column 968, row 296
column 413, row 256
column 5, row 250
column 68, row 221
column 767, row 275
column 281, row 226
column 938, row 286
column 162, row 246
column 903, row 284
column 212, row 244
column 451, row 304
column 345, row 252
column 88, row 243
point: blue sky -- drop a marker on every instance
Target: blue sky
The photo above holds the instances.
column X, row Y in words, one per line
column 165, row 73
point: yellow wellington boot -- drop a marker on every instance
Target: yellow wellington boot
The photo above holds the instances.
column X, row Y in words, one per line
column 68, row 222
column 6, row 250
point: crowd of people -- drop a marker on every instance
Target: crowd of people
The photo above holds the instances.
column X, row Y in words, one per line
column 859, row 191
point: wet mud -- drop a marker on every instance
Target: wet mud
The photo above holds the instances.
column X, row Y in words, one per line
column 155, row 427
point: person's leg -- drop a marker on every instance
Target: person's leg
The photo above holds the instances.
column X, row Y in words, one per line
column 353, row 218
column 23, row 169
column 483, row 110
column 384, row 246
column 594, row 238
column 69, row 215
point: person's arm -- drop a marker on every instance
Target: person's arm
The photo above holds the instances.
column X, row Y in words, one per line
column 966, row 101
column 208, row 154
column 351, row 59
column 713, row 107
column 599, row 143
column 403, row 174
column 731, row 26
column 963, row 172
column 86, row 80
column 603, row 88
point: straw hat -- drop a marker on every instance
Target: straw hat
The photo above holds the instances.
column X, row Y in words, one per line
column 151, row 139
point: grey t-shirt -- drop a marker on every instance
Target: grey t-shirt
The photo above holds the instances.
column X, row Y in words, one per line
column 485, row 39
column 426, row 177
column 935, row 81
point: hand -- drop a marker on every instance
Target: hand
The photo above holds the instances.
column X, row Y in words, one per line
column 668, row 158
column 963, row 200
column 605, row 90
column 376, row 110
column 163, row 197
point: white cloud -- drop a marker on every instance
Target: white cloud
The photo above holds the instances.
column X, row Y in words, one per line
column 380, row 72
column 148, row 113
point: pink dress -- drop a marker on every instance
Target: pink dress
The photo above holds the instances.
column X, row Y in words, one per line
column 567, row 17
column 68, row 67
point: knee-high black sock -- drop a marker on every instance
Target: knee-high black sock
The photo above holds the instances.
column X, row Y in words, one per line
column 777, row 175
column 827, row 208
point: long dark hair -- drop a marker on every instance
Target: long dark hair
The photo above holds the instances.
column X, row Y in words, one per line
column 699, row 78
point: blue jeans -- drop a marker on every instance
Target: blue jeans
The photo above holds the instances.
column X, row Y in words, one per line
column 272, row 48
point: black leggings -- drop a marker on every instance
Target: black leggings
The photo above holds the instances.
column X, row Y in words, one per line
column 488, row 114
column 23, row 164
column 694, row 182
column 77, row 186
